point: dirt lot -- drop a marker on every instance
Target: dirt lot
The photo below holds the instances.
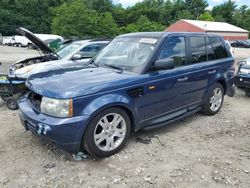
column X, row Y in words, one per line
column 199, row 151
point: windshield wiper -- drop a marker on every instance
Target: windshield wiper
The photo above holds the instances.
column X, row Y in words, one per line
column 92, row 62
column 114, row 67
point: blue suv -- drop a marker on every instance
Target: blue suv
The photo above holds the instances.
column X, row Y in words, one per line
column 139, row 81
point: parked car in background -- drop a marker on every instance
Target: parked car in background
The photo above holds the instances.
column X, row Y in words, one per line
column 248, row 41
column 79, row 51
column 240, row 44
column 139, row 81
column 20, row 41
column 75, row 54
column 8, row 40
column 242, row 79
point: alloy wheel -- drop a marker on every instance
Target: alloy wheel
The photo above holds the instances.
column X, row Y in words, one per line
column 110, row 132
column 216, row 99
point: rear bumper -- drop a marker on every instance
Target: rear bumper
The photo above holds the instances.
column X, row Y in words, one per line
column 242, row 81
column 65, row 133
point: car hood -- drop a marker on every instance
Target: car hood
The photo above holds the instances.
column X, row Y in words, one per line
column 38, row 42
column 27, row 71
column 74, row 82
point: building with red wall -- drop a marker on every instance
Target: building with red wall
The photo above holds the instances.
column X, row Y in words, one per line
column 227, row 31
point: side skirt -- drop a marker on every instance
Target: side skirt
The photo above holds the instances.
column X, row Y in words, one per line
column 162, row 124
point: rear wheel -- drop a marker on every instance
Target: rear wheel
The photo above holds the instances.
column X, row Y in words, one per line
column 107, row 132
column 247, row 91
column 231, row 91
column 214, row 100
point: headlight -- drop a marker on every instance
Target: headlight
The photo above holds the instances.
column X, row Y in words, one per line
column 24, row 70
column 244, row 71
column 57, row 107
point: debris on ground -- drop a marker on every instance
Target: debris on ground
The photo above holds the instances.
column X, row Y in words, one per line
column 143, row 140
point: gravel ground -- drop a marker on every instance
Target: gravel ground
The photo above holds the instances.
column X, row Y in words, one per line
column 199, row 151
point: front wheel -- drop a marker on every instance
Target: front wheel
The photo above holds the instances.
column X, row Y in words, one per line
column 11, row 103
column 214, row 100
column 5, row 97
column 107, row 132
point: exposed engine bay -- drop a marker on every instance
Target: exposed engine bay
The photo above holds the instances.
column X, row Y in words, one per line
column 31, row 61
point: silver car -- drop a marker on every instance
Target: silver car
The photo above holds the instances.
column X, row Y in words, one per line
column 73, row 54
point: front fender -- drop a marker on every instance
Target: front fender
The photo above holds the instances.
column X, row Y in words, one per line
column 110, row 100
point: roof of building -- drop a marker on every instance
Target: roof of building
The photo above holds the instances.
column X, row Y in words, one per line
column 215, row 26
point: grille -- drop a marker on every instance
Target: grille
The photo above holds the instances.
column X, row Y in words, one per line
column 35, row 100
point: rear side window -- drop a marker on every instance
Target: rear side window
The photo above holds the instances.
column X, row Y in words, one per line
column 198, row 49
column 218, row 47
column 210, row 51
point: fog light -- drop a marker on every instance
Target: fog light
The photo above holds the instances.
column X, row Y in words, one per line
column 40, row 129
column 43, row 129
column 241, row 79
column 46, row 129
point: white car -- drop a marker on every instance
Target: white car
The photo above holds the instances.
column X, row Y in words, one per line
column 74, row 54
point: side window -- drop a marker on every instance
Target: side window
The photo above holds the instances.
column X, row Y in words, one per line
column 210, row 51
column 91, row 50
column 198, row 49
column 218, row 47
column 174, row 48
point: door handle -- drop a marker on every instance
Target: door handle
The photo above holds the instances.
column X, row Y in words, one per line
column 212, row 72
column 182, row 79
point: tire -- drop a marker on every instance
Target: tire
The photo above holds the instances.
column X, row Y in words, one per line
column 4, row 97
column 99, row 136
column 231, row 92
column 29, row 46
column 11, row 103
column 214, row 100
column 247, row 91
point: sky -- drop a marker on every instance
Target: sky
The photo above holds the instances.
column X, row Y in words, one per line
column 211, row 3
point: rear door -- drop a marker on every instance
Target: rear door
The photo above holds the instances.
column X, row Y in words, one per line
column 221, row 61
column 199, row 68
column 165, row 93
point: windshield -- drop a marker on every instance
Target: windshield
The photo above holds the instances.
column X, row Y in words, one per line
column 127, row 53
column 67, row 49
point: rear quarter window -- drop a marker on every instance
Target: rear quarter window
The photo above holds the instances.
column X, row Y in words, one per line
column 218, row 47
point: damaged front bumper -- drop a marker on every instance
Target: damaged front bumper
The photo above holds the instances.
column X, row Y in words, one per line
column 65, row 133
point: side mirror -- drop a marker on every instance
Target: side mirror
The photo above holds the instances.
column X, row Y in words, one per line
column 0, row 63
column 242, row 62
column 163, row 64
column 76, row 57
